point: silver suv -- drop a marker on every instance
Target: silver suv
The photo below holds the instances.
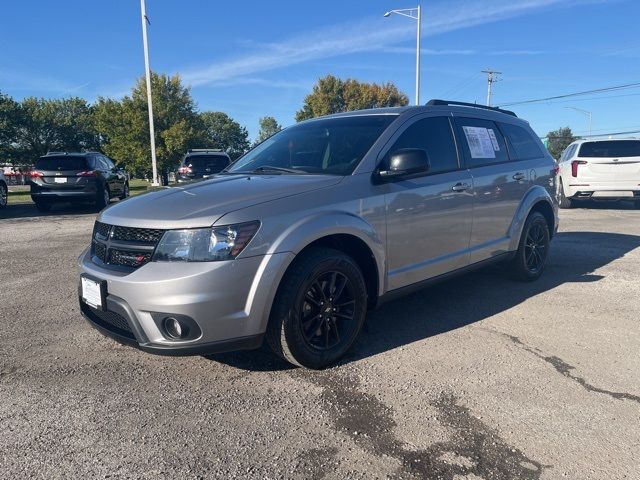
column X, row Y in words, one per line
column 297, row 239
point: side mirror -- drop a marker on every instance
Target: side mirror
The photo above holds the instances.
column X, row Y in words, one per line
column 405, row 163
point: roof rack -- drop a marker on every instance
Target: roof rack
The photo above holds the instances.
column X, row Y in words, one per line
column 55, row 153
column 218, row 150
column 473, row 105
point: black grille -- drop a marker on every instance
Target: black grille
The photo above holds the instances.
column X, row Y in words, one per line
column 124, row 246
column 108, row 320
column 145, row 235
column 128, row 258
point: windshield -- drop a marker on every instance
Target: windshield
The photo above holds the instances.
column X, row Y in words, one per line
column 61, row 163
column 612, row 148
column 202, row 162
column 332, row 146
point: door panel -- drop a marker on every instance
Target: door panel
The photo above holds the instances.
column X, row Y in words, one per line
column 429, row 218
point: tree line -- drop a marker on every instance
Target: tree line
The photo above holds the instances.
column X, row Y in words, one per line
column 120, row 128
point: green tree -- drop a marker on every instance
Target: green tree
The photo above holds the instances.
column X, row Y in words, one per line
column 268, row 126
column 333, row 95
column 221, row 131
column 9, row 119
column 559, row 140
column 124, row 125
column 41, row 125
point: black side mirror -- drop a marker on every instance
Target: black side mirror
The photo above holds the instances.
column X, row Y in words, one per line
column 404, row 163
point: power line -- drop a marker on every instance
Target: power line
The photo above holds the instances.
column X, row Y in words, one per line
column 576, row 94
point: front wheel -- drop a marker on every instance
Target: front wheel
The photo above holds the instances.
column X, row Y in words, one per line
column 319, row 309
column 125, row 192
column 533, row 248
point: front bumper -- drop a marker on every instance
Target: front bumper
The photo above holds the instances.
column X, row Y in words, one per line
column 228, row 301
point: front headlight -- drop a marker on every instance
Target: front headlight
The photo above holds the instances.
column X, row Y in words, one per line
column 205, row 244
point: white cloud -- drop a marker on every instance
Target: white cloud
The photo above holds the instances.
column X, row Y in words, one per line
column 371, row 34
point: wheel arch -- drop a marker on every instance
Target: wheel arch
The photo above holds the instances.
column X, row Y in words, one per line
column 536, row 199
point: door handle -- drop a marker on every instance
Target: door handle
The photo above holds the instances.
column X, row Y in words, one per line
column 460, row 187
column 519, row 176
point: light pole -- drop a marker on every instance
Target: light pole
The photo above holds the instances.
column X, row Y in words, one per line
column 589, row 114
column 143, row 11
column 416, row 14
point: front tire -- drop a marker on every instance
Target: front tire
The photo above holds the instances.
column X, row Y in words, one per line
column 533, row 249
column 564, row 201
column 319, row 309
column 125, row 192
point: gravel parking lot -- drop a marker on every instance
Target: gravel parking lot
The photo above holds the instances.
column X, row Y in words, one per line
column 476, row 378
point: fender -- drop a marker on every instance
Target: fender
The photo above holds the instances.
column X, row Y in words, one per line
column 291, row 241
column 535, row 194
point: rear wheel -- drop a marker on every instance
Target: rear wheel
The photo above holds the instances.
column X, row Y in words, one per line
column 104, row 197
column 564, row 201
column 125, row 191
column 533, row 248
column 4, row 195
column 319, row 309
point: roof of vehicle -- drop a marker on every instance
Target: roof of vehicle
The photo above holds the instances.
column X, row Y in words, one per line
column 69, row 154
column 443, row 105
column 206, row 151
column 585, row 140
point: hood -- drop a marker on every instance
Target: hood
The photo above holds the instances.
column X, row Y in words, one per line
column 200, row 204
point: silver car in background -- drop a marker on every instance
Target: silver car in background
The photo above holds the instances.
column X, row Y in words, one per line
column 297, row 239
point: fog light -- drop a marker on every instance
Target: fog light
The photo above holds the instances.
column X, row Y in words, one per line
column 174, row 328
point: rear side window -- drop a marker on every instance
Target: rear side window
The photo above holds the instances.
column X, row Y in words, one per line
column 482, row 142
column 433, row 135
column 61, row 163
column 524, row 145
column 610, row 148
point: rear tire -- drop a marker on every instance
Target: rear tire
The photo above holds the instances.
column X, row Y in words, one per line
column 125, row 192
column 564, row 201
column 4, row 195
column 319, row 309
column 104, row 197
column 533, row 249
column 43, row 206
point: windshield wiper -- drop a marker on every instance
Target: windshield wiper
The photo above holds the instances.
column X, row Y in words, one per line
column 271, row 168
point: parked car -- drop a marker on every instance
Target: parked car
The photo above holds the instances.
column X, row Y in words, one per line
column 4, row 191
column 321, row 222
column 202, row 164
column 77, row 177
column 600, row 170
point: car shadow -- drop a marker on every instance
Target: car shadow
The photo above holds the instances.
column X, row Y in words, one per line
column 604, row 205
column 29, row 210
column 575, row 258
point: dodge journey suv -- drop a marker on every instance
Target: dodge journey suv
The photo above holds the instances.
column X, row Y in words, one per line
column 297, row 239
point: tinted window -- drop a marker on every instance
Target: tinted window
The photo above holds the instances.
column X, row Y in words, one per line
column 611, row 148
column 524, row 145
column 330, row 146
column 110, row 165
column 200, row 163
column 62, row 162
column 482, row 142
column 434, row 136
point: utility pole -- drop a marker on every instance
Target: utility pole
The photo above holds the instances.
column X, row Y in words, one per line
column 145, row 20
column 492, row 76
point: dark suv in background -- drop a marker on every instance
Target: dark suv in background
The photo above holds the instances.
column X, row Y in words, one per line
column 77, row 177
column 202, row 163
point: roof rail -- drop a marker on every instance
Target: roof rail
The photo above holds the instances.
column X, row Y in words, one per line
column 467, row 104
column 219, row 150
column 55, row 153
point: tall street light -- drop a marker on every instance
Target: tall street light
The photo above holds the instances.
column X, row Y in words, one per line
column 589, row 114
column 416, row 14
column 145, row 20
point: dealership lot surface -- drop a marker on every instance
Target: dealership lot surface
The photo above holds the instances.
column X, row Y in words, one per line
column 479, row 377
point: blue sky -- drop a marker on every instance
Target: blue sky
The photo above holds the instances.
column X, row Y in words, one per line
column 260, row 58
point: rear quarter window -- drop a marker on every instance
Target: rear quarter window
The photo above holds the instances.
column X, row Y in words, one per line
column 524, row 146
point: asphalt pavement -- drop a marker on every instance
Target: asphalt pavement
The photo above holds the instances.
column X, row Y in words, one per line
column 476, row 378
